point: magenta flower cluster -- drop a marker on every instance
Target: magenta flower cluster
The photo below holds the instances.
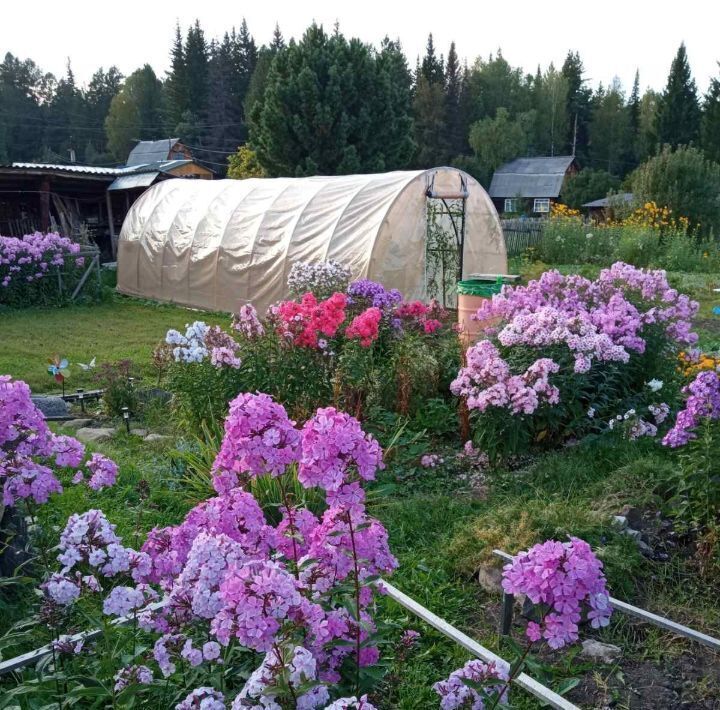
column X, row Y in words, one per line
column 454, row 692
column 29, row 451
column 487, row 381
column 564, row 580
column 229, row 579
column 702, row 403
column 29, row 258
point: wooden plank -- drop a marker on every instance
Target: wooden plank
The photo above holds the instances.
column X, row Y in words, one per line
column 523, row 680
column 649, row 617
column 38, row 654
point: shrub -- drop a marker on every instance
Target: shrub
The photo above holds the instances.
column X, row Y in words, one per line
column 119, row 389
column 33, row 267
column 565, row 352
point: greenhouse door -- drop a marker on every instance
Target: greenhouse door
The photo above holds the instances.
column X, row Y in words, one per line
column 445, row 242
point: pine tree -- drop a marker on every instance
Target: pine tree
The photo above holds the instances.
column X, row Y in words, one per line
column 329, row 107
column 710, row 134
column 610, row 130
column 103, row 87
column 456, row 141
column 578, row 106
column 431, row 68
column 678, row 120
column 196, row 64
column 65, row 117
column 278, row 42
column 550, row 92
column 632, row 157
column 175, row 88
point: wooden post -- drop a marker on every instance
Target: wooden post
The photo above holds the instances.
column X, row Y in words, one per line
column 45, row 205
column 507, row 614
column 113, row 244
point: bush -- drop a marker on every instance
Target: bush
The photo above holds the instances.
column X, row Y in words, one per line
column 115, row 379
column 685, row 181
column 38, row 269
column 566, row 354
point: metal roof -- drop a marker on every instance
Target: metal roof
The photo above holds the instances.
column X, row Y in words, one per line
column 620, row 197
column 152, row 167
column 530, row 177
column 128, row 182
column 151, row 151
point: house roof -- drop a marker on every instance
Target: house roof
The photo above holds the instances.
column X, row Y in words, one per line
column 530, row 177
column 621, row 197
column 151, row 151
column 163, row 166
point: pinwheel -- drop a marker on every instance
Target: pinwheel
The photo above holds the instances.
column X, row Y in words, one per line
column 58, row 368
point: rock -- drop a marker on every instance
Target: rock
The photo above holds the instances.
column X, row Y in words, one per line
column 156, row 437
column 78, row 423
column 645, row 549
column 489, row 578
column 620, row 521
column 634, row 534
column 604, row 652
column 633, row 515
column 51, row 406
column 139, row 432
column 91, row 435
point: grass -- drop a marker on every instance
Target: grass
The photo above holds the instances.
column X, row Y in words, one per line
column 440, row 531
column 109, row 331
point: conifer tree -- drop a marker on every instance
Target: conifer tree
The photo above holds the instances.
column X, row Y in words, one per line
column 678, row 119
column 710, row 134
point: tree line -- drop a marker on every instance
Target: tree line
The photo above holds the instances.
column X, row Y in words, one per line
column 326, row 104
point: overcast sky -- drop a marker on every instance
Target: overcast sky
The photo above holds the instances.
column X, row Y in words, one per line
column 613, row 37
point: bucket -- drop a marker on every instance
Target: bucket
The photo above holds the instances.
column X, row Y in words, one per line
column 472, row 293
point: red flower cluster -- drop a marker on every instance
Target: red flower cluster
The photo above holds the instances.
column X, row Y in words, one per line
column 365, row 326
column 426, row 317
column 305, row 321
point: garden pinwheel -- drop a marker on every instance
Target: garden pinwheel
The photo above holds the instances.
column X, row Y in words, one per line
column 58, row 368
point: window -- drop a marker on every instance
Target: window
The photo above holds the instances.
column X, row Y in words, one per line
column 541, row 204
column 510, row 204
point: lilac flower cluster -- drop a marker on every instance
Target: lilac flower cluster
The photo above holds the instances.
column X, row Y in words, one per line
column 204, row 698
column 562, row 579
column 28, row 450
column 132, row 675
column 201, row 341
column 30, row 257
column 353, row 703
column 487, row 381
column 321, row 279
column 703, row 402
column 431, row 460
column 365, row 293
column 230, row 579
column 259, row 438
column 454, row 692
column 246, row 321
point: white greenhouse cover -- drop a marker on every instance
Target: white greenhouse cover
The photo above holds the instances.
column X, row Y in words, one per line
column 216, row 244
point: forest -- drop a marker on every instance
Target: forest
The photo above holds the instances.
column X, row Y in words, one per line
column 327, row 104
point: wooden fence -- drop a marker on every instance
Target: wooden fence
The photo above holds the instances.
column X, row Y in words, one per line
column 521, row 234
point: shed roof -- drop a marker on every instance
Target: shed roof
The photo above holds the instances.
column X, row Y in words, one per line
column 128, row 182
column 163, row 166
column 531, row 177
column 620, row 197
column 151, row 151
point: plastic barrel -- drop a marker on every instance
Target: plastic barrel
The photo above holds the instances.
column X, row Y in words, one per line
column 472, row 293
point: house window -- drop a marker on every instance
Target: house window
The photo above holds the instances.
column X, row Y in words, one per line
column 541, row 204
column 510, row 204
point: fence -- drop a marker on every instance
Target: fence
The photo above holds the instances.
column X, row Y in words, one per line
column 521, row 234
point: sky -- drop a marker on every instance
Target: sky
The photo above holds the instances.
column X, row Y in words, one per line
column 614, row 37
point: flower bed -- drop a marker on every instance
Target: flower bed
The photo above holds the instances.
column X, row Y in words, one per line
column 29, row 268
column 565, row 353
column 357, row 348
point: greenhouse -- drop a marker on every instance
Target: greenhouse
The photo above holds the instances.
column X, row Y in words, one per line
column 219, row 244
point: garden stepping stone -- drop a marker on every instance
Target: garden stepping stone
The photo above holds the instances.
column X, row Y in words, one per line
column 78, row 423
column 91, row 435
column 139, row 432
column 156, row 437
column 604, row 652
column 52, row 407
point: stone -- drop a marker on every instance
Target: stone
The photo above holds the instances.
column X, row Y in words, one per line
column 489, row 578
column 77, row 423
column 52, row 407
column 634, row 534
column 156, row 437
column 603, row 652
column 90, row 435
column 645, row 549
column 620, row 521
column 139, row 432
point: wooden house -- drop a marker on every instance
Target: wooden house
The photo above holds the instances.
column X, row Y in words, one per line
column 530, row 185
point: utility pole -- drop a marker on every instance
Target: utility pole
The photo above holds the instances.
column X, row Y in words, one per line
column 574, row 136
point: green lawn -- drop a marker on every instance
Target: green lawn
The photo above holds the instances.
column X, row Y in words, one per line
column 110, row 331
